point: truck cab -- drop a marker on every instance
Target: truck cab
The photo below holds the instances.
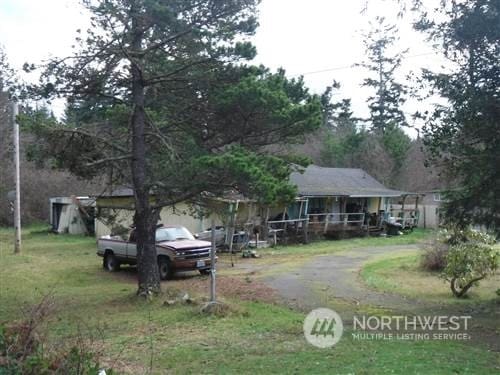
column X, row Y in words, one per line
column 176, row 250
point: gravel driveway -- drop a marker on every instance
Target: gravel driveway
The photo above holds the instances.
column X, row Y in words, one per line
column 336, row 276
column 334, row 281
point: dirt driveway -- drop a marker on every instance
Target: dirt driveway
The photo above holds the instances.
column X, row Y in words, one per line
column 334, row 281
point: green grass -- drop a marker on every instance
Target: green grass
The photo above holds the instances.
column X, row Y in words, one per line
column 403, row 275
column 255, row 338
column 327, row 247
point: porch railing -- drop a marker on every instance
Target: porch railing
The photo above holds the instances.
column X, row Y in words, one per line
column 282, row 226
column 407, row 218
column 407, row 221
column 333, row 218
column 325, row 219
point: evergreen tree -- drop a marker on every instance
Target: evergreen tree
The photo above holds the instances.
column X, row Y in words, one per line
column 6, row 144
column 342, row 143
column 386, row 116
column 397, row 144
column 385, row 104
column 159, row 102
column 6, row 72
column 464, row 135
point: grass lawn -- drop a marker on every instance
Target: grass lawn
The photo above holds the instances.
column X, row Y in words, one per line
column 403, row 275
column 328, row 247
column 256, row 337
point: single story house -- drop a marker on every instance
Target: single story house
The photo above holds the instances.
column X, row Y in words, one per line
column 115, row 213
column 328, row 200
column 346, row 199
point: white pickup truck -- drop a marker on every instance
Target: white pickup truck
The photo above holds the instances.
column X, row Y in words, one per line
column 176, row 248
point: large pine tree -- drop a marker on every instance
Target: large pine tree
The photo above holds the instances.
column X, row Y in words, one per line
column 382, row 63
column 158, row 102
column 464, row 135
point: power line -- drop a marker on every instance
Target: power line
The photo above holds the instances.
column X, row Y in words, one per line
column 351, row 66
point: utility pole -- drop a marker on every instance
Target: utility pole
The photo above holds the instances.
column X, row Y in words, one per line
column 17, row 202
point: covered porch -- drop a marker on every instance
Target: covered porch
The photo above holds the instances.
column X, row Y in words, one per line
column 405, row 210
column 329, row 216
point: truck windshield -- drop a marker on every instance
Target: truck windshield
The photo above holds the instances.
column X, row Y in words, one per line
column 173, row 234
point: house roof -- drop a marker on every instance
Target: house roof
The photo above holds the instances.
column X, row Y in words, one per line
column 119, row 192
column 349, row 182
column 317, row 181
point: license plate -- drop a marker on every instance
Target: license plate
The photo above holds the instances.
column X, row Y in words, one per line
column 200, row 263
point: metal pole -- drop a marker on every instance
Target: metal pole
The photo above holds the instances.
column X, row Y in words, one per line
column 212, row 264
column 17, row 203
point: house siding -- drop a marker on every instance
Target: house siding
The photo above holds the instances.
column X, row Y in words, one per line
column 180, row 215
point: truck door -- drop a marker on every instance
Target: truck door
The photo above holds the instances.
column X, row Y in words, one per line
column 131, row 246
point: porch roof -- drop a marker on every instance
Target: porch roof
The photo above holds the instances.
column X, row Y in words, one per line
column 340, row 182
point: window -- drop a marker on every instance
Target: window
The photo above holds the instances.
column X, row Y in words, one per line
column 437, row 197
column 316, row 205
column 172, row 234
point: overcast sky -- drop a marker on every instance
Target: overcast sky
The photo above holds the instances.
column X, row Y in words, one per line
column 321, row 39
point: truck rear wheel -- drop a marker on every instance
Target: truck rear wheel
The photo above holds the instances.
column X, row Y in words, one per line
column 165, row 268
column 110, row 263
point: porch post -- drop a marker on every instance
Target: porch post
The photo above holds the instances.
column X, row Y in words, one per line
column 306, row 224
column 300, row 216
column 344, row 210
column 265, row 225
column 233, row 211
column 284, row 218
column 403, row 210
column 417, row 212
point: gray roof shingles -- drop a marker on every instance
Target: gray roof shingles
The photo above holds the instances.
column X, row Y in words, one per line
column 320, row 181
column 324, row 182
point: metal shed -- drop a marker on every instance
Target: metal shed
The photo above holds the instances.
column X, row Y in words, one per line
column 73, row 215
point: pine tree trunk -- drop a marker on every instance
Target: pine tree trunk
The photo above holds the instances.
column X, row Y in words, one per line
column 145, row 219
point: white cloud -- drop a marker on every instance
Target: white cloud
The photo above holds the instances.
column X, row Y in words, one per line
column 35, row 30
column 325, row 37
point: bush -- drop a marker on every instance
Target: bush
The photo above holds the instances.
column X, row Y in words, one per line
column 436, row 250
column 434, row 256
column 24, row 348
column 469, row 260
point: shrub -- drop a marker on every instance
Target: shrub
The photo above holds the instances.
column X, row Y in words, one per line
column 436, row 250
column 24, row 348
column 470, row 260
column 434, row 257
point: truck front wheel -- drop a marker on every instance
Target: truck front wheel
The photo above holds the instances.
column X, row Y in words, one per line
column 165, row 268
